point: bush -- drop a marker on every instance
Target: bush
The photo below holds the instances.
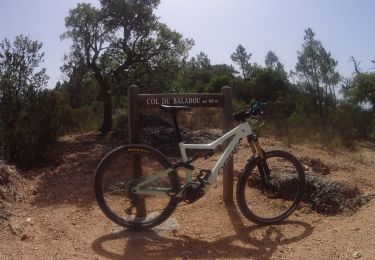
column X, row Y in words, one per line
column 29, row 137
column 217, row 82
column 120, row 121
column 29, row 117
column 82, row 119
column 86, row 118
column 295, row 119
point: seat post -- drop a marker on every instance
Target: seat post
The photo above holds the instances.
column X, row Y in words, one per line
column 174, row 110
column 177, row 129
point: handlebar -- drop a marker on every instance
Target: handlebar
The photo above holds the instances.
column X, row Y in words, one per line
column 256, row 111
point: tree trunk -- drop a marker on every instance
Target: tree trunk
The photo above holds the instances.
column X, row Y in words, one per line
column 107, row 112
column 326, row 100
column 334, row 99
column 320, row 100
column 107, row 100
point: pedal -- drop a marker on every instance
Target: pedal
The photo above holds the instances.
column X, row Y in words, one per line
column 129, row 210
column 206, row 173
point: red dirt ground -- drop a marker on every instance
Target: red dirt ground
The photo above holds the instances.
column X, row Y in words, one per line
column 59, row 218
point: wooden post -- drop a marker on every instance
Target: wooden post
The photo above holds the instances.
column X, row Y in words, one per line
column 133, row 122
column 227, row 126
column 133, row 114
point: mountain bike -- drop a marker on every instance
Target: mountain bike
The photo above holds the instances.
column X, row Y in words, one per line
column 136, row 186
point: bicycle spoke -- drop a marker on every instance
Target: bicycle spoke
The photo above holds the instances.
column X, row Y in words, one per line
column 118, row 177
column 270, row 199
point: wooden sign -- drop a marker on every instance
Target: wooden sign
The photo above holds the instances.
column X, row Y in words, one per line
column 192, row 100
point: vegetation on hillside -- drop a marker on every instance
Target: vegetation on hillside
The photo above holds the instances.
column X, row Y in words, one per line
column 123, row 42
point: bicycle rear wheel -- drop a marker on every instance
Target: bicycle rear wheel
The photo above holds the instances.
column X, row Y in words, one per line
column 270, row 200
column 117, row 174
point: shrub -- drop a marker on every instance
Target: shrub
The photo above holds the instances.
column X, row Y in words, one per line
column 30, row 137
column 295, row 119
column 120, row 121
column 29, row 124
column 217, row 82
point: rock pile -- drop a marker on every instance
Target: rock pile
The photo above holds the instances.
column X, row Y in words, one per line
column 323, row 195
column 331, row 198
column 316, row 165
column 161, row 135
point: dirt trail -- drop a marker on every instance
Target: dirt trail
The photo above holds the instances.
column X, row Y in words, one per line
column 59, row 219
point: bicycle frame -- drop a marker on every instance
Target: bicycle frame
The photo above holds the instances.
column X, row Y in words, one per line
column 235, row 135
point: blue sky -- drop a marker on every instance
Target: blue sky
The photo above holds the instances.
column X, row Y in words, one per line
column 345, row 27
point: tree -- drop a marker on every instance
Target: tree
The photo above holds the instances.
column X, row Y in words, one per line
column 270, row 85
column 362, row 89
column 25, row 130
column 195, row 74
column 203, row 61
column 317, row 69
column 330, row 78
column 271, row 60
column 121, row 40
column 272, row 63
column 86, row 29
column 241, row 58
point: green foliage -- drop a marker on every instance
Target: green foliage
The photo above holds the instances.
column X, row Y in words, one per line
column 317, row 70
column 79, row 92
column 120, row 120
column 270, row 84
column 217, row 82
column 241, row 58
column 362, row 89
column 307, row 110
column 271, row 60
column 85, row 119
column 295, row 119
column 342, row 129
column 343, row 122
column 27, row 114
column 123, row 42
column 81, row 119
column 239, row 105
column 198, row 75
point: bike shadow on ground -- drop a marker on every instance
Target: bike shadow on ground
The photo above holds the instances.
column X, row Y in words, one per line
column 249, row 241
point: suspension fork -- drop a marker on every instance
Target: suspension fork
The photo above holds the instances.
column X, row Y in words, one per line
column 262, row 165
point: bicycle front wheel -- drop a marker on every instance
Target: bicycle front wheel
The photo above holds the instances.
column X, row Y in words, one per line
column 269, row 190
column 120, row 171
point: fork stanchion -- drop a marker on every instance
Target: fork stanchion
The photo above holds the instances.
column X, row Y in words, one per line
column 133, row 122
column 227, row 126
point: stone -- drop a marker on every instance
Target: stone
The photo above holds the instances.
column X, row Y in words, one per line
column 356, row 254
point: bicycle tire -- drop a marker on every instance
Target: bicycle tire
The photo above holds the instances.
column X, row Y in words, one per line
column 114, row 180
column 288, row 178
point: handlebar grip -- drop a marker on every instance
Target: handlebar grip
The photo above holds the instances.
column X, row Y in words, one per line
column 257, row 108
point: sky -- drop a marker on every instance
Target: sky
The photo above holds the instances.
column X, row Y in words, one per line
column 345, row 28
